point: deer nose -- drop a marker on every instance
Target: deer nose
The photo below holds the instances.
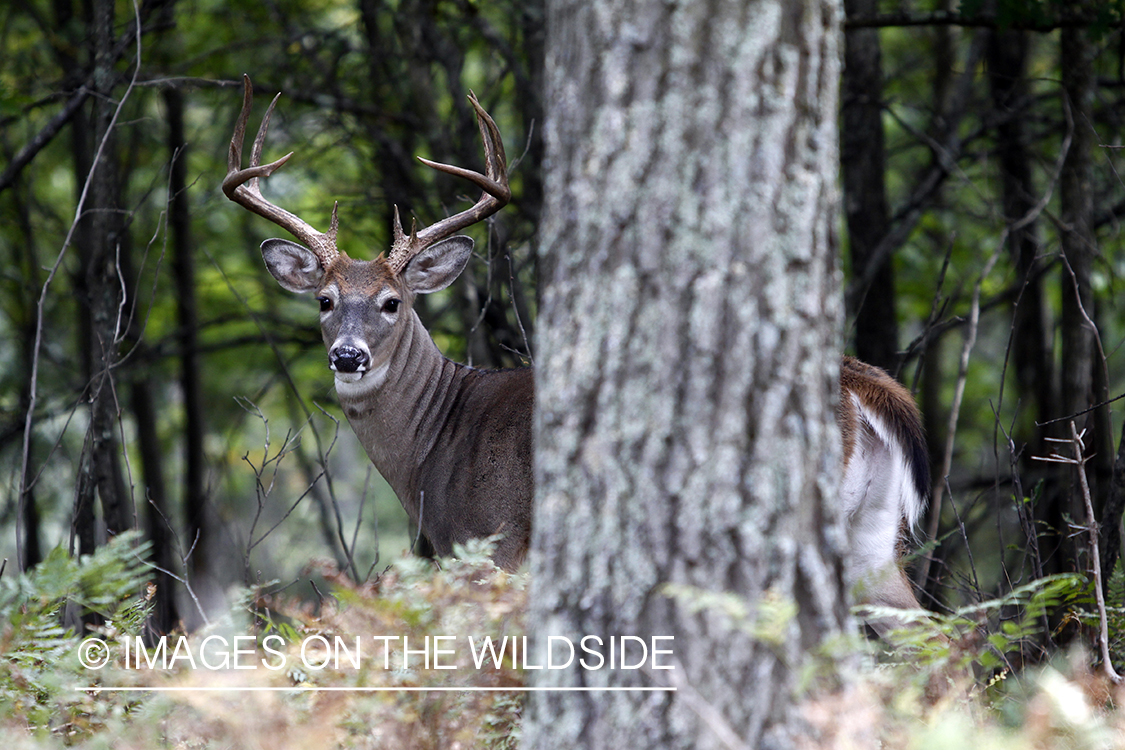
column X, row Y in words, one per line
column 345, row 358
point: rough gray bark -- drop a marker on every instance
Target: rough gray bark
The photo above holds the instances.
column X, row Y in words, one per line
column 687, row 361
column 863, row 166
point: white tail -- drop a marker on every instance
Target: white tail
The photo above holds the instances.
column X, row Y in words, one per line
column 886, row 480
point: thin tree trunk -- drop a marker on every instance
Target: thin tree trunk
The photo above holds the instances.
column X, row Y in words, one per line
column 1032, row 358
column 687, row 365
column 1031, row 353
column 191, row 372
column 863, row 164
column 83, row 517
column 100, row 467
column 1109, row 529
column 935, row 418
column 155, row 500
column 29, row 522
column 1077, row 338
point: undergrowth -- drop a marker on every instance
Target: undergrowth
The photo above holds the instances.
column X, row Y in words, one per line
column 950, row 682
column 279, row 652
column 984, row 676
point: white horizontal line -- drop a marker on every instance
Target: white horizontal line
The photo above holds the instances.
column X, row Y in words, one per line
column 308, row 689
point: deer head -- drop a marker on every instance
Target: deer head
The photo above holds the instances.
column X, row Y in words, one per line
column 363, row 304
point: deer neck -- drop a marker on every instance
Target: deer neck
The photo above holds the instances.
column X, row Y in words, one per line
column 398, row 414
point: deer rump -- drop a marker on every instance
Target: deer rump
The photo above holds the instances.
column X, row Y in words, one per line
column 886, row 480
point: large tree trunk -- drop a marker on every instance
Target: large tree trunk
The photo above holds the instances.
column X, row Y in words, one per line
column 687, row 364
column 863, row 165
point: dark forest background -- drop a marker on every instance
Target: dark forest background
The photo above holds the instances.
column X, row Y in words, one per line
column 153, row 376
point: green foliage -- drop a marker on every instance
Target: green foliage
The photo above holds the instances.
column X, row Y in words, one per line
column 413, row 599
column 1052, row 709
column 986, row 636
column 106, row 583
column 1115, row 614
column 38, row 663
column 956, row 681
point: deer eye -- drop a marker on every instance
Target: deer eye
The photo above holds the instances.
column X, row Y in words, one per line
column 391, row 305
column 325, row 303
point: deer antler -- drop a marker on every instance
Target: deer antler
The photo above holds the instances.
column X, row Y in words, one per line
column 241, row 185
column 496, row 195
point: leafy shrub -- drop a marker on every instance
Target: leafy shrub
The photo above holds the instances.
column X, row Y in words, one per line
column 40, row 611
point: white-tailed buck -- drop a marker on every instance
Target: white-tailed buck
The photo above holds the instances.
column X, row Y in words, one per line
column 455, row 443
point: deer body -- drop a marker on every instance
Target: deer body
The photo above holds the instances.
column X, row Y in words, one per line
column 453, row 442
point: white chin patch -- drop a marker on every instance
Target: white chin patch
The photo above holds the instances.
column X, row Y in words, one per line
column 358, row 383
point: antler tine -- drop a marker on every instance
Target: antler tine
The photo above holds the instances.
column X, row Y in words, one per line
column 494, row 183
column 242, row 187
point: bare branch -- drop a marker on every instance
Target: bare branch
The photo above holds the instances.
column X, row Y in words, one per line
column 43, row 137
column 1091, row 528
column 955, row 410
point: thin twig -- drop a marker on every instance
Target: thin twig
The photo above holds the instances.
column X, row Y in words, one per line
column 1091, row 528
column 955, row 409
column 359, row 520
column 186, row 579
column 712, row 717
column 322, row 454
column 1095, row 407
column 516, row 310
column 43, row 137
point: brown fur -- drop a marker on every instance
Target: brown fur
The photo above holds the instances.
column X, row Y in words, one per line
column 881, row 502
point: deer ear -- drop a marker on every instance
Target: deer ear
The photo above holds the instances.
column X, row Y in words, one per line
column 438, row 265
column 294, row 266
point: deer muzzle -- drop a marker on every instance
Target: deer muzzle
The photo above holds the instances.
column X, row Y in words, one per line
column 348, row 358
